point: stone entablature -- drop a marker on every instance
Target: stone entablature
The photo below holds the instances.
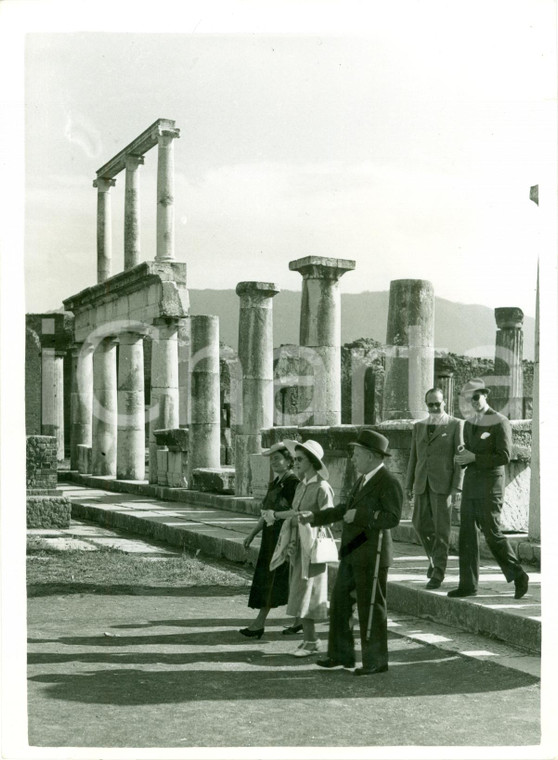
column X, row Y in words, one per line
column 150, row 290
column 138, row 147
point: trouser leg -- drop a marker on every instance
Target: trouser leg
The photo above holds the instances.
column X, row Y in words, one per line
column 375, row 646
column 468, row 546
column 496, row 541
column 341, row 645
column 441, row 509
column 423, row 522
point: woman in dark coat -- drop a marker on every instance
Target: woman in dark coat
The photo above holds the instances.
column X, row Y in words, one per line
column 270, row 588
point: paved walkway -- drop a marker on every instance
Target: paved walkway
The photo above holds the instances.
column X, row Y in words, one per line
column 219, row 533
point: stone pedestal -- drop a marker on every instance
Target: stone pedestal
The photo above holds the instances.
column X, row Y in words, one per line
column 409, row 366
column 205, row 422
column 132, row 212
column 165, row 194
column 255, row 351
column 163, row 413
column 131, row 408
column 320, row 329
column 508, row 367
column 81, row 402
column 103, row 455
column 104, row 228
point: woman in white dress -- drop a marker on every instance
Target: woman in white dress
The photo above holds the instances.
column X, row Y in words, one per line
column 307, row 581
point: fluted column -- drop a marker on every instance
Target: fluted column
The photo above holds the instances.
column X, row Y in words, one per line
column 165, row 194
column 320, row 329
column 446, row 382
column 508, row 361
column 104, row 228
column 103, row 455
column 205, row 423
column 130, row 458
column 52, row 397
column 81, row 400
column 255, row 352
column 409, row 364
column 163, row 413
column 132, row 212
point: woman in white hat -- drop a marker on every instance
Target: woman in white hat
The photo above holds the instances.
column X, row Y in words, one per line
column 307, row 581
column 270, row 588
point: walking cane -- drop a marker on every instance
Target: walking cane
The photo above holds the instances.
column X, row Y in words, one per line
column 374, row 585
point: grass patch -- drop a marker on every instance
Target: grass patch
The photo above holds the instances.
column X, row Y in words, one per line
column 111, row 567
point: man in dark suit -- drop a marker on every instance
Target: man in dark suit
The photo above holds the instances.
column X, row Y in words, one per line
column 373, row 507
column 433, row 477
column 488, row 441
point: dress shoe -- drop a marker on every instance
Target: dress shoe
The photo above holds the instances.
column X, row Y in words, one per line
column 307, row 648
column 459, row 592
column 329, row 662
column 434, row 583
column 370, row 671
column 290, row 629
column 521, row 586
column 250, row 634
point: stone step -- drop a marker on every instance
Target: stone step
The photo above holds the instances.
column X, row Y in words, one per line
column 220, row 533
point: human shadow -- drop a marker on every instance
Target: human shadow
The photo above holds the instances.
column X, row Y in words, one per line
column 58, row 589
column 135, row 686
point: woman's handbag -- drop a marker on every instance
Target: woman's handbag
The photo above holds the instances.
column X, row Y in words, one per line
column 323, row 548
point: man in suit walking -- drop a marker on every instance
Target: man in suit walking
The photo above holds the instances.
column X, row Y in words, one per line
column 434, row 478
column 373, row 507
column 488, row 441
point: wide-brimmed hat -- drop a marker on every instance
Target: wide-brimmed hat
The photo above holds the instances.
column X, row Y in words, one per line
column 276, row 448
column 314, row 449
column 475, row 385
column 376, row 442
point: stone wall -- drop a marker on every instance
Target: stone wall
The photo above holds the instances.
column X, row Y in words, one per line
column 46, row 506
column 41, row 462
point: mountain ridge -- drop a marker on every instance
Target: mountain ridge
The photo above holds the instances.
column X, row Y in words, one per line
column 464, row 329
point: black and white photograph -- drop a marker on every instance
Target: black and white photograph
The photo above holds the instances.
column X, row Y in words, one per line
column 279, row 376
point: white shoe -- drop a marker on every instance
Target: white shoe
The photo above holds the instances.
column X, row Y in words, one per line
column 307, row 648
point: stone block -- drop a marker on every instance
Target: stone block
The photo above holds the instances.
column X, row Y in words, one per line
column 48, row 512
column 214, row 480
column 41, row 461
column 84, row 459
column 176, row 437
column 515, row 512
column 261, row 474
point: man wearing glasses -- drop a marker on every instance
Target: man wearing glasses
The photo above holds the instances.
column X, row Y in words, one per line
column 488, row 441
column 433, row 478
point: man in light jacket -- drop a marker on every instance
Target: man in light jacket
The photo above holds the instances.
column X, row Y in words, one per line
column 434, row 478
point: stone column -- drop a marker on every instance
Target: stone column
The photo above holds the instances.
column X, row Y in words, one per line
column 255, row 351
column 205, row 423
column 320, row 329
column 508, row 360
column 165, row 195
column 103, row 455
column 445, row 381
column 132, row 212
column 409, row 349
column 52, row 397
column 104, row 228
column 163, row 413
column 81, row 401
column 130, row 451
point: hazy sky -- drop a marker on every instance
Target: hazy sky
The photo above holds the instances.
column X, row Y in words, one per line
column 408, row 145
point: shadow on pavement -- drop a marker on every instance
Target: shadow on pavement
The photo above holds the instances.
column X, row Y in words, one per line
column 58, row 589
column 124, row 686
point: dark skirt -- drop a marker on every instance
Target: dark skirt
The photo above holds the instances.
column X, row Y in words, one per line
column 270, row 588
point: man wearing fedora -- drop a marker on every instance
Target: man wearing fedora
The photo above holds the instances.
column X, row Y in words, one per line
column 488, row 441
column 373, row 507
column 433, row 477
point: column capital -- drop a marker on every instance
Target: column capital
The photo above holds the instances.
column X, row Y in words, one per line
column 253, row 288
column 103, row 184
column 321, row 267
column 132, row 162
column 508, row 317
column 163, row 131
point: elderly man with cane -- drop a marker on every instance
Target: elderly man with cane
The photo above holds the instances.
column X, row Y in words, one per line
column 373, row 507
